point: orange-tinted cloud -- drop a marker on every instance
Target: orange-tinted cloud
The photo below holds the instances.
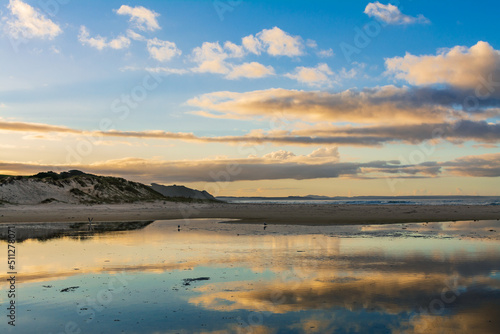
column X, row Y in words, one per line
column 460, row 66
column 387, row 104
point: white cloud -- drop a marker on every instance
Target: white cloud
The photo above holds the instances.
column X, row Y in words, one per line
column 212, row 66
column 214, row 57
column 275, row 42
column 142, row 18
column 162, row 50
column 99, row 42
column 325, row 53
column 325, row 152
column 135, row 36
column 211, row 58
column 312, row 76
column 55, row 50
column 250, row 70
column 121, row 42
column 311, row 43
column 391, row 14
column 26, row 22
column 157, row 69
column 330, row 153
column 279, row 43
column 233, row 50
column 166, row 70
column 252, row 44
column 279, row 155
column 459, row 66
column 356, row 70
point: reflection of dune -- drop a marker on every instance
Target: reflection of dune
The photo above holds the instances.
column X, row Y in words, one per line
column 79, row 231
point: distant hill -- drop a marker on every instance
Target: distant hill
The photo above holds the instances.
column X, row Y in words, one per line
column 73, row 187
column 181, row 191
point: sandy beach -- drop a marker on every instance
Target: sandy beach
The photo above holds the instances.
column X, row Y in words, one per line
column 307, row 214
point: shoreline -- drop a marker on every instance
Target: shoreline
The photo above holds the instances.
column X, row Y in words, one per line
column 292, row 214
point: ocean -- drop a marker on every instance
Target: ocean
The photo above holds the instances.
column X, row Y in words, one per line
column 403, row 200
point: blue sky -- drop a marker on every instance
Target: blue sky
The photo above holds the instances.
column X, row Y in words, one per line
column 326, row 97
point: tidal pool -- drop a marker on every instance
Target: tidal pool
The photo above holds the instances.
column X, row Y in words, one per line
column 213, row 277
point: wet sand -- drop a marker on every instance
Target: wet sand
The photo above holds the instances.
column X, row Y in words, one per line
column 306, row 214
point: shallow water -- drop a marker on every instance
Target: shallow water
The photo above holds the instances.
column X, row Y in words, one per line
column 210, row 277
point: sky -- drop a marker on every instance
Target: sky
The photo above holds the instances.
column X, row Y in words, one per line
column 256, row 98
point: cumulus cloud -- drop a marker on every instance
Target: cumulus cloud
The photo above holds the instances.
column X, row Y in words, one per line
column 312, row 76
column 279, row 43
column 162, row 50
column 474, row 68
column 219, row 58
column 325, row 152
column 233, row 50
column 27, row 22
column 391, row 14
column 212, row 58
column 252, row 44
column 250, row 70
column 275, row 42
column 100, row 43
column 279, row 155
column 142, row 18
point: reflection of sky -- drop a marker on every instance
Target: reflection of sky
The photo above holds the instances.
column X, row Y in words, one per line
column 282, row 279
